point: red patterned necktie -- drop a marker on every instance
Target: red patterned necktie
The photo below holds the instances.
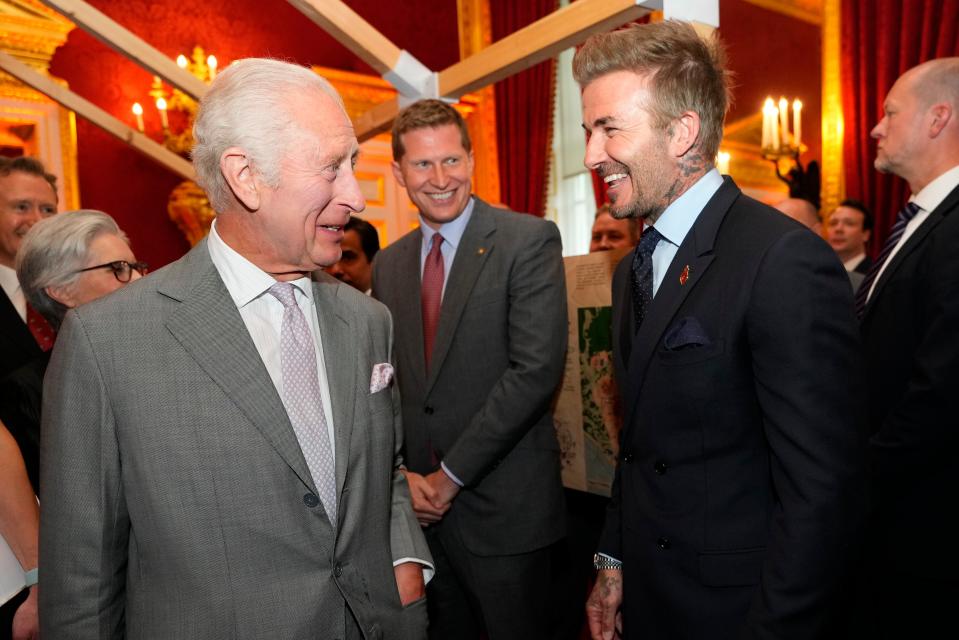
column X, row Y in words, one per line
column 432, row 295
column 42, row 332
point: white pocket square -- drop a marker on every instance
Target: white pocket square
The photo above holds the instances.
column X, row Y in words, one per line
column 382, row 376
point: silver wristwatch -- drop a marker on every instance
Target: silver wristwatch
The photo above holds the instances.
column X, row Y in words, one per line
column 601, row 562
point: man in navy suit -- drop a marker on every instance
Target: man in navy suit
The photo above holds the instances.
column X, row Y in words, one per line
column 910, row 317
column 738, row 490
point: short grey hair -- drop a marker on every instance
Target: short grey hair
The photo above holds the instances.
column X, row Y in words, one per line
column 52, row 252
column 248, row 106
column 686, row 72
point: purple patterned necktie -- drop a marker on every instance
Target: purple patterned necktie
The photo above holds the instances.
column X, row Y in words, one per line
column 301, row 396
column 862, row 294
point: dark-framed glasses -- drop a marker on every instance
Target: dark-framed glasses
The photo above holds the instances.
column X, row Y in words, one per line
column 122, row 270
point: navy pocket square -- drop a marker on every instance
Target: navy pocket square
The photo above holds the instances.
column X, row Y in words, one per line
column 685, row 333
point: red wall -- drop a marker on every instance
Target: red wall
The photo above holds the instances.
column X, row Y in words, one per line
column 134, row 189
column 774, row 54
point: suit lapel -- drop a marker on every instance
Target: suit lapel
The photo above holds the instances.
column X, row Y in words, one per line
column 339, row 356
column 211, row 330
column 915, row 240
column 474, row 248
column 696, row 253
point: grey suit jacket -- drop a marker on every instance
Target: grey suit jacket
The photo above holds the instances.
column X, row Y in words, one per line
column 176, row 500
column 484, row 406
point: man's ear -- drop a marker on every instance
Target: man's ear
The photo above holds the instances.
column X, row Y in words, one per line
column 398, row 173
column 685, row 132
column 941, row 114
column 238, row 172
column 62, row 294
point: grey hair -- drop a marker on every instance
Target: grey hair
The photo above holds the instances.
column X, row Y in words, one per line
column 52, row 252
column 248, row 106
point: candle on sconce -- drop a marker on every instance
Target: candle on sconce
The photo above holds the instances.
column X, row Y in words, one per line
column 181, row 61
column 161, row 107
column 784, row 120
column 722, row 162
column 774, row 131
column 211, row 62
column 138, row 112
column 769, row 117
column 797, row 121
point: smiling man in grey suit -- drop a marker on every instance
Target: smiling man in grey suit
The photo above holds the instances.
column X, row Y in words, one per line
column 479, row 301
column 220, row 454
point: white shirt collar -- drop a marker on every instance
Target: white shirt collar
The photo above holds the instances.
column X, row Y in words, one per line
column 853, row 262
column 244, row 280
column 932, row 195
column 8, row 281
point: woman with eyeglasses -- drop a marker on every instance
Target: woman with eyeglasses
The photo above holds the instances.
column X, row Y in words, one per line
column 64, row 261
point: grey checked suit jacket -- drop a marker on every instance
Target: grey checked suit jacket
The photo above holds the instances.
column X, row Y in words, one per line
column 176, row 500
column 484, row 407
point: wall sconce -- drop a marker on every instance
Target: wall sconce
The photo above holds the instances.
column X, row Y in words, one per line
column 174, row 106
column 782, row 147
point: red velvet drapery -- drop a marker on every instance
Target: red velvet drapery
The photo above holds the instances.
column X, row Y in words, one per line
column 524, row 113
column 880, row 40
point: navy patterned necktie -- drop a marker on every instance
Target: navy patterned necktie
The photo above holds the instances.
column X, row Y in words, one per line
column 642, row 278
column 862, row 295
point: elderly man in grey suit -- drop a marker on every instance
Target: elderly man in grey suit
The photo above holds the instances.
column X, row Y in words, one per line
column 479, row 300
column 220, row 445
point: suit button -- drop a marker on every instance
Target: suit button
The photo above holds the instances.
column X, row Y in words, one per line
column 626, row 457
column 663, row 543
column 311, row 500
column 337, row 571
column 428, row 410
column 660, row 467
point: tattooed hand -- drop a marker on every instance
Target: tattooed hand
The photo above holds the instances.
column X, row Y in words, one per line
column 602, row 608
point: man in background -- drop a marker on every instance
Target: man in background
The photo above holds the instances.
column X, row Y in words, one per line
column 360, row 244
column 803, row 212
column 27, row 195
column 909, row 308
column 848, row 231
column 611, row 233
column 478, row 297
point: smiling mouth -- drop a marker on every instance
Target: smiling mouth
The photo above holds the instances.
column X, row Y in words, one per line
column 331, row 227
column 613, row 178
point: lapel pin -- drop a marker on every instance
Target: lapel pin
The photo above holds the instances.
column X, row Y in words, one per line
column 481, row 251
column 684, row 276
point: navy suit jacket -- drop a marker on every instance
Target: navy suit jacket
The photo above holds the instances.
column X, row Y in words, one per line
column 738, row 492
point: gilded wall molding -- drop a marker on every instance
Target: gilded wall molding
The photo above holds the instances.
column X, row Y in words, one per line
column 833, row 177
column 810, row 11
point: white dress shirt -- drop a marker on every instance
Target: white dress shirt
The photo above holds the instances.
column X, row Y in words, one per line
column 930, row 197
column 11, row 287
column 852, row 263
column 262, row 314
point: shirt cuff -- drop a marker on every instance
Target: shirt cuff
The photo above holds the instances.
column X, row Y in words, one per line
column 428, row 569
column 450, row 475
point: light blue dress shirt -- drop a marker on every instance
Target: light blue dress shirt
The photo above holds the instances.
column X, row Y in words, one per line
column 452, row 233
column 676, row 221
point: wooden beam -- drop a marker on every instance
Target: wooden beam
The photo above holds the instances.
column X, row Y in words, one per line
column 539, row 41
column 352, row 31
column 376, row 120
column 96, row 115
column 125, row 42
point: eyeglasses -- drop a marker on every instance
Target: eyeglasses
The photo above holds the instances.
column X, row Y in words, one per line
column 122, row 270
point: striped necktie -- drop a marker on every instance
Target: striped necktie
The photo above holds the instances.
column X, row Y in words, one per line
column 862, row 295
